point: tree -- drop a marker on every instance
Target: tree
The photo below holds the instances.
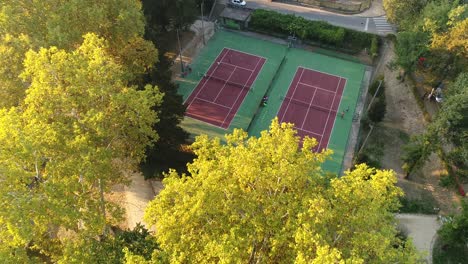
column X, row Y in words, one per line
column 12, row 50
column 113, row 249
column 81, row 126
column 454, row 232
column 448, row 127
column 60, row 23
column 266, row 200
column 409, row 47
column 403, row 12
column 454, row 40
column 167, row 15
column 167, row 153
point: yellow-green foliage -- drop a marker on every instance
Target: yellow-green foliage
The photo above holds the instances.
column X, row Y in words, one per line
column 266, row 200
column 33, row 25
column 79, row 128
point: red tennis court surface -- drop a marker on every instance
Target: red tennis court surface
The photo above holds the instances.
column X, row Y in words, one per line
column 223, row 88
column 311, row 104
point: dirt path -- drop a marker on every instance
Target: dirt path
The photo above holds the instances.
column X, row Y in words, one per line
column 405, row 117
column 137, row 195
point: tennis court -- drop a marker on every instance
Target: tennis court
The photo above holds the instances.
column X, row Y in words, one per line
column 222, row 89
column 221, row 98
column 311, row 104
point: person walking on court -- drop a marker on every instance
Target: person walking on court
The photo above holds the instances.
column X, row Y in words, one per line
column 342, row 114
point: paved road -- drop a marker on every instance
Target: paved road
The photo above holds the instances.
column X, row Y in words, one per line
column 377, row 25
column 422, row 229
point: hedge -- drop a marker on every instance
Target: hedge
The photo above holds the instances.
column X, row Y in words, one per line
column 319, row 32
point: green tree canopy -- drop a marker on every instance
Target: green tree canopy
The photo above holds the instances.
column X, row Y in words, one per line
column 409, row 46
column 167, row 15
column 28, row 25
column 402, row 11
column 80, row 127
column 454, row 232
column 266, row 200
column 450, row 126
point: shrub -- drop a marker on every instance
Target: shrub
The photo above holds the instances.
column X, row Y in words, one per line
column 447, row 181
column 375, row 85
column 377, row 110
column 374, row 49
column 425, row 205
column 365, row 158
column 274, row 23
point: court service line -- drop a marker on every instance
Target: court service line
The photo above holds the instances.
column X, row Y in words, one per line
column 292, row 96
column 310, row 132
column 309, row 69
column 237, row 98
column 203, row 86
column 241, row 52
column 224, row 85
column 206, row 117
column 204, row 100
column 311, row 105
column 246, row 53
column 316, row 87
column 208, row 124
column 230, row 64
column 328, row 117
column 308, row 109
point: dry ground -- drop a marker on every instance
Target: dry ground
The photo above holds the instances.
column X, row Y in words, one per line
column 405, row 116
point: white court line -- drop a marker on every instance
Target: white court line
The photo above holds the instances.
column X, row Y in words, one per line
column 205, row 117
column 367, row 24
column 246, row 53
column 224, row 85
column 328, row 117
column 229, row 64
column 308, row 109
column 341, row 100
column 320, row 72
column 316, row 87
column 311, row 105
column 204, row 100
column 307, row 131
column 250, row 54
column 292, row 96
column 237, row 98
column 203, row 86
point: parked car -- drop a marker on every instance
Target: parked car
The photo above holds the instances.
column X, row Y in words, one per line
column 238, row 2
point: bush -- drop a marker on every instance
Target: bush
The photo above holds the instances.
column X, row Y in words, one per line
column 447, row 181
column 377, row 110
column 274, row 23
column 374, row 49
column 365, row 158
column 375, row 85
column 425, row 205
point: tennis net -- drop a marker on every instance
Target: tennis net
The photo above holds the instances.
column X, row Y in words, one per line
column 224, row 81
column 308, row 105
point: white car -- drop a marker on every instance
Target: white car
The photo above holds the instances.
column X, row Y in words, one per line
column 238, row 2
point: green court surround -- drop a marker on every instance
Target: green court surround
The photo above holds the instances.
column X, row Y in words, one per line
column 251, row 116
